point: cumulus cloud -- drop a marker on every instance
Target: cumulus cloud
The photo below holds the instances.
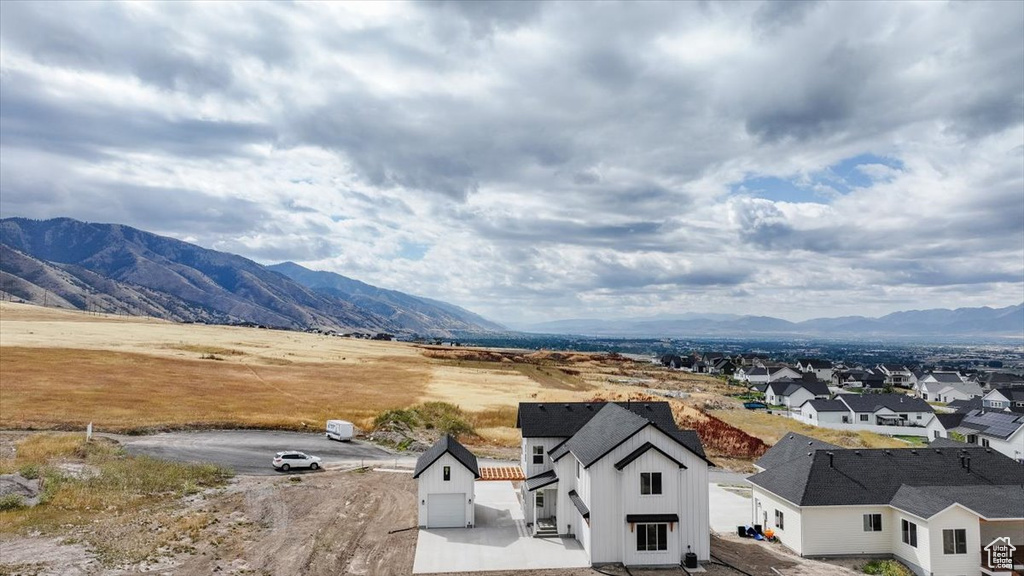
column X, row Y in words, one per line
column 787, row 158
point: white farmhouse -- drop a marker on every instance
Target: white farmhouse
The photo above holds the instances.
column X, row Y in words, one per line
column 793, row 394
column 764, row 375
column 932, row 509
column 822, row 369
column 946, row 387
column 446, row 474
column 896, row 375
column 620, row 478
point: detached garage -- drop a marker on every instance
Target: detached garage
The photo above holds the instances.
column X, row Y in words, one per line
column 445, row 474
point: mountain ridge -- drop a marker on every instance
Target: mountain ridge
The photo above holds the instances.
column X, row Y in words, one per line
column 117, row 268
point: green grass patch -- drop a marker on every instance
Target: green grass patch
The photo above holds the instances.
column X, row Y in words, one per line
column 913, row 440
column 441, row 416
column 886, row 568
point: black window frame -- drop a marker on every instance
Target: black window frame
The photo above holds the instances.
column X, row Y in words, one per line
column 538, row 499
column 872, row 522
column 863, row 417
column 446, row 474
column 538, row 457
column 644, row 537
column 780, row 519
column 908, row 531
column 957, row 543
column 650, row 484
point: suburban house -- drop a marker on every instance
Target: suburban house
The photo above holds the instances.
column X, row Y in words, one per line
column 620, row 478
column 946, row 387
column 766, row 374
column 446, row 474
column 896, row 375
column 1001, row 431
column 822, row 369
column 965, row 406
column 934, row 509
column 1011, row 399
column 991, row 380
column 793, row 394
column 892, row 414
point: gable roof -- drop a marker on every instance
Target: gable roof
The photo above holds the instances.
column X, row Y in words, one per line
column 943, row 442
column 613, row 425
column 949, row 421
column 446, row 445
column 894, row 402
column 946, row 377
column 963, row 406
column 564, row 420
column 873, row 476
column 791, row 446
column 834, row 405
column 787, row 387
column 1001, row 501
column 996, row 424
column 640, row 452
column 1011, row 393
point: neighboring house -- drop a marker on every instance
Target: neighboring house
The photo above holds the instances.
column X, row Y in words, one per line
column 896, row 374
column 723, row 366
column 892, row 414
column 991, row 380
column 931, row 509
column 964, row 406
column 445, row 476
column 848, row 378
column 822, row 369
column 873, row 381
column 1001, row 431
column 793, row 394
column 930, row 385
column 1011, row 399
column 620, row 478
column 789, row 447
column 677, row 362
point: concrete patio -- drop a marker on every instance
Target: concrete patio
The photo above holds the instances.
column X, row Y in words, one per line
column 500, row 540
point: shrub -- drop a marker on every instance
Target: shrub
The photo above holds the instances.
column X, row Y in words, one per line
column 11, row 502
column 397, row 415
column 29, row 471
column 886, row 568
column 441, row 416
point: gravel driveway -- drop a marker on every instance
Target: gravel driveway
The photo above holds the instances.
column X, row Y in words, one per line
column 250, row 451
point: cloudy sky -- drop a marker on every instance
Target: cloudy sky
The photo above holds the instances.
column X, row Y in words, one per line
column 544, row 161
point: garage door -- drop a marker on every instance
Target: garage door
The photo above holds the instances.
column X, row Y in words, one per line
column 446, row 511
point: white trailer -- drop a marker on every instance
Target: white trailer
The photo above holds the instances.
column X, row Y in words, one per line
column 340, row 430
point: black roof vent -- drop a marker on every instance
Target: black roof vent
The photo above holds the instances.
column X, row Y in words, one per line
column 569, row 408
column 590, row 407
column 831, row 464
column 540, row 406
column 913, row 451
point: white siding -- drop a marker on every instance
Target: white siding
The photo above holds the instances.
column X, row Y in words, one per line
column 954, row 564
column 765, row 504
column 526, row 458
column 672, row 480
column 837, row 530
column 432, row 482
column 919, row 556
column 1012, row 446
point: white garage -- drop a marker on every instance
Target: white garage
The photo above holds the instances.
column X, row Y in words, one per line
column 445, row 475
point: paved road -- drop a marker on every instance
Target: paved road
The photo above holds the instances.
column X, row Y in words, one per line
column 250, row 451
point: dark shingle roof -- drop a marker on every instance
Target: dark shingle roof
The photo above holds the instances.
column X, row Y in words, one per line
column 563, row 420
column 1013, row 393
column 828, row 406
column 873, row 476
column 816, row 364
column 640, row 452
column 894, row 402
column 446, row 445
column 947, row 443
column 963, row 406
column 950, row 421
column 541, row 480
column 613, row 425
column 1000, row 501
column 791, row 446
column 578, row 503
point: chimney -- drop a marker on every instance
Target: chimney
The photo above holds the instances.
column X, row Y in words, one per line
column 831, row 463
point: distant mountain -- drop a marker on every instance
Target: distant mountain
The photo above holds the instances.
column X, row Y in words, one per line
column 962, row 322
column 411, row 313
column 115, row 268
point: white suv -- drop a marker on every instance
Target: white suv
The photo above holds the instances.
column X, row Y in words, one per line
column 292, row 459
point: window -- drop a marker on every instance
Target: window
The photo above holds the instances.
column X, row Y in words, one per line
column 972, row 439
column 447, row 473
column 651, row 537
column 650, row 483
column 872, row 522
column 863, row 417
column 779, row 519
column 538, row 454
column 903, row 417
column 539, row 500
column 577, row 468
column 909, row 533
column 935, row 433
column 918, row 415
column 954, row 541
column 984, row 442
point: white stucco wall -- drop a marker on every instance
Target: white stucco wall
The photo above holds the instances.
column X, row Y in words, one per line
column 837, row 530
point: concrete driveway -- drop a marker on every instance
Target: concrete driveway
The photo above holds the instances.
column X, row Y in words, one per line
column 500, row 540
column 729, row 508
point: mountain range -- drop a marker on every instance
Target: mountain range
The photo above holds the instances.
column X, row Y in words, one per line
column 118, row 269
column 962, row 322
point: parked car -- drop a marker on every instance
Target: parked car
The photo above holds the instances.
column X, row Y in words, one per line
column 292, row 459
